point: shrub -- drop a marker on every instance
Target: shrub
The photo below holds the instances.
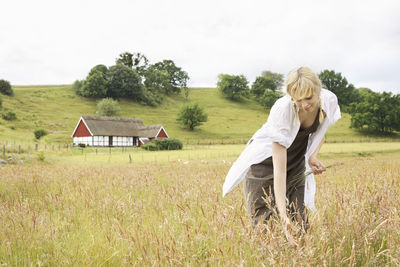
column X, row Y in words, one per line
column 39, row 133
column 151, row 146
column 5, row 88
column 108, row 107
column 40, row 156
column 9, row 116
column 0, row 102
column 163, row 144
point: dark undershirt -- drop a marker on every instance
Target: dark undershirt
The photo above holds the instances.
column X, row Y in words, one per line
column 295, row 163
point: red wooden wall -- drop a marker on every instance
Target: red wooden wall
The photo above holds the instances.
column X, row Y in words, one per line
column 82, row 131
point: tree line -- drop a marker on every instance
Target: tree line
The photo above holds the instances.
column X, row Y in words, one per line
column 135, row 78
column 370, row 111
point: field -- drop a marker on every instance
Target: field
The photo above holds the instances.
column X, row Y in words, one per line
column 63, row 206
column 57, row 109
column 65, row 211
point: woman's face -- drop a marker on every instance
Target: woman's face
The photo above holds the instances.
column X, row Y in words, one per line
column 308, row 104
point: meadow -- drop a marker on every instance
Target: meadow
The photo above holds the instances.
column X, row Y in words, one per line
column 63, row 206
column 58, row 109
column 67, row 212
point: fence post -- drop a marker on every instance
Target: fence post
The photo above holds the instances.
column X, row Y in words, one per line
column 36, row 147
column 4, row 151
column 19, row 149
column 130, row 158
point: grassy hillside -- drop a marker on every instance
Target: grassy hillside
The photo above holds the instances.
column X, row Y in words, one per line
column 57, row 109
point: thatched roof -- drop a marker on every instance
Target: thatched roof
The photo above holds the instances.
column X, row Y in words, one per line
column 116, row 126
column 149, row 131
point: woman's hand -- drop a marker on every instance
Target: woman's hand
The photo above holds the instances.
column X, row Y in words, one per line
column 287, row 229
column 316, row 166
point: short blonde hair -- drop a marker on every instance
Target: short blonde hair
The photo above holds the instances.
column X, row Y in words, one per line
column 302, row 82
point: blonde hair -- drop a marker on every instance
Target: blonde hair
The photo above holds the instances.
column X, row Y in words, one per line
column 302, row 83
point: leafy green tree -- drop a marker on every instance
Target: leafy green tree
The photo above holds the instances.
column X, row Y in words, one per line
column 261, row 84
column 150, row 98
column 177, row 77
column 126, row 59
column 122, row 81
column 136, row 61
column 102, row 68
column 108, row 107
column 77, row 86
column 192, row 116
column 269, row 97
column 157, row 81
column 95, row 85
column 377, row 112
column 5, row 88
column 345, row 92
column 233, row 86
column 277, row 78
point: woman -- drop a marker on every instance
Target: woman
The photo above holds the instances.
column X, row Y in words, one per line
column 279, row 154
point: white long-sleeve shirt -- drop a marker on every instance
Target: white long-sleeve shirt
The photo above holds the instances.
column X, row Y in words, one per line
column 282, row 127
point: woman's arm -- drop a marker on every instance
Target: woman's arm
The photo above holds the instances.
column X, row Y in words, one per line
column 316, row 166
column 279, row 157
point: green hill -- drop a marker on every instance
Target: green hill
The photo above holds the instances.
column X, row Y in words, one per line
column 58, row 109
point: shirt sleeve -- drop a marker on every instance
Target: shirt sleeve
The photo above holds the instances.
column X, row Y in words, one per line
column 334, row 109
column 278, row 126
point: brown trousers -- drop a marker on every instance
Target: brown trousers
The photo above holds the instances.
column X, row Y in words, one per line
column 260, row 202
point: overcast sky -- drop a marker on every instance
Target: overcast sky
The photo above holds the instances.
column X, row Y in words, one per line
column 57, row 41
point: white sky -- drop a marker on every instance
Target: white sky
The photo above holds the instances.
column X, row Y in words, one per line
column 58, row 41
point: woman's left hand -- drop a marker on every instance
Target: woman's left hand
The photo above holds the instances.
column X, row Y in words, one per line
column 316, row 166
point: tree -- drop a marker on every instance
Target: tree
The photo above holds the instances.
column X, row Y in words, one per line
column 192, row 116
column 5, row 88
column 77, row 86
column 344, row 91
column 136, row 61
column 269, row 97
column 261, row 84
column 108, row 107
column 277, row 78
column 378, row 112
column 95, row 85
column 177, row 77
column 157, row 81
column 102, row 68
column 126, row 59
column 124, row 82
column 233, row 86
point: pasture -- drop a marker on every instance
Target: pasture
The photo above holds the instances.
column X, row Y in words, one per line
column 104, row 211
column 57, row 109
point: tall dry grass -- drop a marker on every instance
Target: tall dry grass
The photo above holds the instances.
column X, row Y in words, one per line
column 173, row 214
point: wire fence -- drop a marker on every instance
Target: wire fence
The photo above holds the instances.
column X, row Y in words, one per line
column 15, row 147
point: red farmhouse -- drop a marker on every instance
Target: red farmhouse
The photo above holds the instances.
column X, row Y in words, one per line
column 115, row 131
